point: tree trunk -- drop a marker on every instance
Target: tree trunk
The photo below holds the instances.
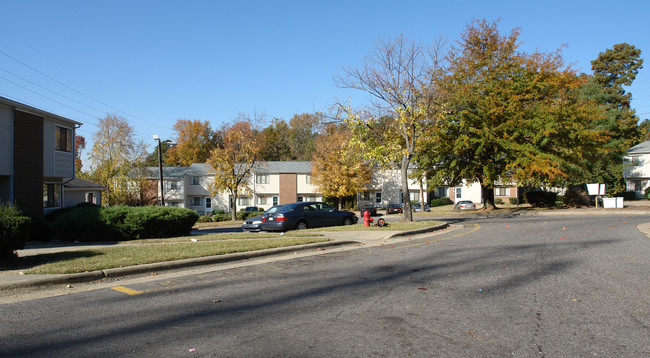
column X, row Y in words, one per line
column 233, row 210
column 406, row 198
column 487, row 192
column 340, row 203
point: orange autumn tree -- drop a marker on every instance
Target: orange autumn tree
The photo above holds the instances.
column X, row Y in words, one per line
column 337, row 169
column 232, row 161
column 194, row 141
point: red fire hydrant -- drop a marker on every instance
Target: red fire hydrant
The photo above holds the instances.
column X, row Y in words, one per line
column 367, row 220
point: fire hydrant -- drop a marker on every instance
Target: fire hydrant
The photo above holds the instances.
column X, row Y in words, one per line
column 367, row 220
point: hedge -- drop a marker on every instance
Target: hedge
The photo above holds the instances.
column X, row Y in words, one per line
column 541, row 199
column 123, row 223
column 440, row 201
column 14, row 231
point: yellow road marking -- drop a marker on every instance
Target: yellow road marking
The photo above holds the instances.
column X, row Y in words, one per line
column 128, row 291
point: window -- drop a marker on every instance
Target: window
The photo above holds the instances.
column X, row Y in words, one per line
column 172, row 203
column 639, row 185
column 173, row 185
column 195, row 201
column 262, row 179
column 501, row 191
column 378, row 197
column 442, row 191
column 458, row 193
column 366, row 196
column 308, row 178
column 63, row 139
column 195, row 180
column 414, row 195
column 51, row 195
column 261, row 200
column 243, row 201
column 634, row 160
column 275, row 200
column 208, row 203
column 300, row 199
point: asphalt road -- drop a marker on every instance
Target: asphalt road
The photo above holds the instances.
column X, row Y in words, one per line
column 523, row 287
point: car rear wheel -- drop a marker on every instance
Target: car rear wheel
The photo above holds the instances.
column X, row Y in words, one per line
column 301, row 225
column 347, row 221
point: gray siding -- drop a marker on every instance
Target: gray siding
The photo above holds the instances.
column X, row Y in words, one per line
column 6, row 140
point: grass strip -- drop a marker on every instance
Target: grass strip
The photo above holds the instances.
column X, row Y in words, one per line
column 392, row 226
column 129, row 255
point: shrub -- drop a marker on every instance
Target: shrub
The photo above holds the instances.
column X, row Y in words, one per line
column 627, row 195
column 204, row 219
column 540, row 198
column 243, row 215
column 440, row 202
column 646, row 193
column 498, row 201
column 14, row 231
column 221, row 217
column 123, row 223
column 513, row 201
column 218, row 211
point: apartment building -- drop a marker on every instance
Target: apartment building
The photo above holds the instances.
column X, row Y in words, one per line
column 36, row 157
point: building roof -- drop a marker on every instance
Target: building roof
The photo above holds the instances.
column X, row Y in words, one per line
column 25, row 108
column 204, row 168
column 643, row 147
column 81, row 184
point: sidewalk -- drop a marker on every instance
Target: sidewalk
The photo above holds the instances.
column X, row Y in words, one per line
column 15, row 280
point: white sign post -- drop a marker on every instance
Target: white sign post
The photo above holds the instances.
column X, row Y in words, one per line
column 596, row 189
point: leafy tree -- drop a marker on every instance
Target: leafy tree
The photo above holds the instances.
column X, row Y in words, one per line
column 152, row 158
column 337, row 169
column 613, row 69
column 232, row 161
column 79, row 146
column 116, row 159
column 194, row 142
column 401, row 77
column 302, row 135
column 511, row 116
column 276, row 141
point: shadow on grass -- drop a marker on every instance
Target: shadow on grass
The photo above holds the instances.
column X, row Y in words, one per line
column 28, row 262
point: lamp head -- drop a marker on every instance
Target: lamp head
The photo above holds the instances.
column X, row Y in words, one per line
column 156, row 137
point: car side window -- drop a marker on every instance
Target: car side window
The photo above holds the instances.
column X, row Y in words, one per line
column 326, row 208
column 310, row 208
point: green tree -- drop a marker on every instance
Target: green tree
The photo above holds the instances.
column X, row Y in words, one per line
column 233, row 160
column 117, row 159
column 510, row 116
column 276, row 141
column 152, row 158
column 401, row 77
column 612, row 70
column 337, row 168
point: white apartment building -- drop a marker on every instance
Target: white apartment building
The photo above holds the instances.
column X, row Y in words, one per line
column 637, row 168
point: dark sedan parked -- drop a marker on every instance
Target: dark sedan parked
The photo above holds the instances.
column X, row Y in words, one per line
column 394, row 209
column 305, row 215
column 369, row 208
column 254, row 224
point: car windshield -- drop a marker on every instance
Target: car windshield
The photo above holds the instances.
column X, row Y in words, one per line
column 273, row 209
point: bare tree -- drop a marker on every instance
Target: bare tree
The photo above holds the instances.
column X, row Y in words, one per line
column 401, row 78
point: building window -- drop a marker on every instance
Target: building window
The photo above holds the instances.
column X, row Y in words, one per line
column 243, row 201
column 301, row 199
column 442, row 191
column 378, row 197
column 208, row 203
column 195, row 201
column 262, row 179
column 261, row 200
column 500, row 191
column 414, row 195
column 308, row 178
column 275, row 200
column 51, row 195
column 173, row 185
column 63, row 139
column 195, row 180
column 366, row 196
column 639, row 185
column 459, row 191
column 172, row 203
column 633, row 160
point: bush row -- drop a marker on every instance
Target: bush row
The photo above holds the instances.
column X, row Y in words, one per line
column 94, row 223
column 14, row 231
column 217, row 217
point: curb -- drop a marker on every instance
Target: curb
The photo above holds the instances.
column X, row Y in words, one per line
column 417, row 231
column 63, row 279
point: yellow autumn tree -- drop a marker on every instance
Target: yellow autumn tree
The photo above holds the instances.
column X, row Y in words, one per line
column 232, row 161
column 337, row 169
column 194, row 141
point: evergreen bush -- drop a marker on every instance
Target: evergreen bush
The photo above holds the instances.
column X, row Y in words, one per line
column 513, row 201
column 440, row 202
column 14, row 231
column 541, row 199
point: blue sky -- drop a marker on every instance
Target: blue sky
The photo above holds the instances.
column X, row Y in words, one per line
column 154, row 62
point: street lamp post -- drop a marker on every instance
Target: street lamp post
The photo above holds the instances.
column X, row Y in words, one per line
column 160, row 168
